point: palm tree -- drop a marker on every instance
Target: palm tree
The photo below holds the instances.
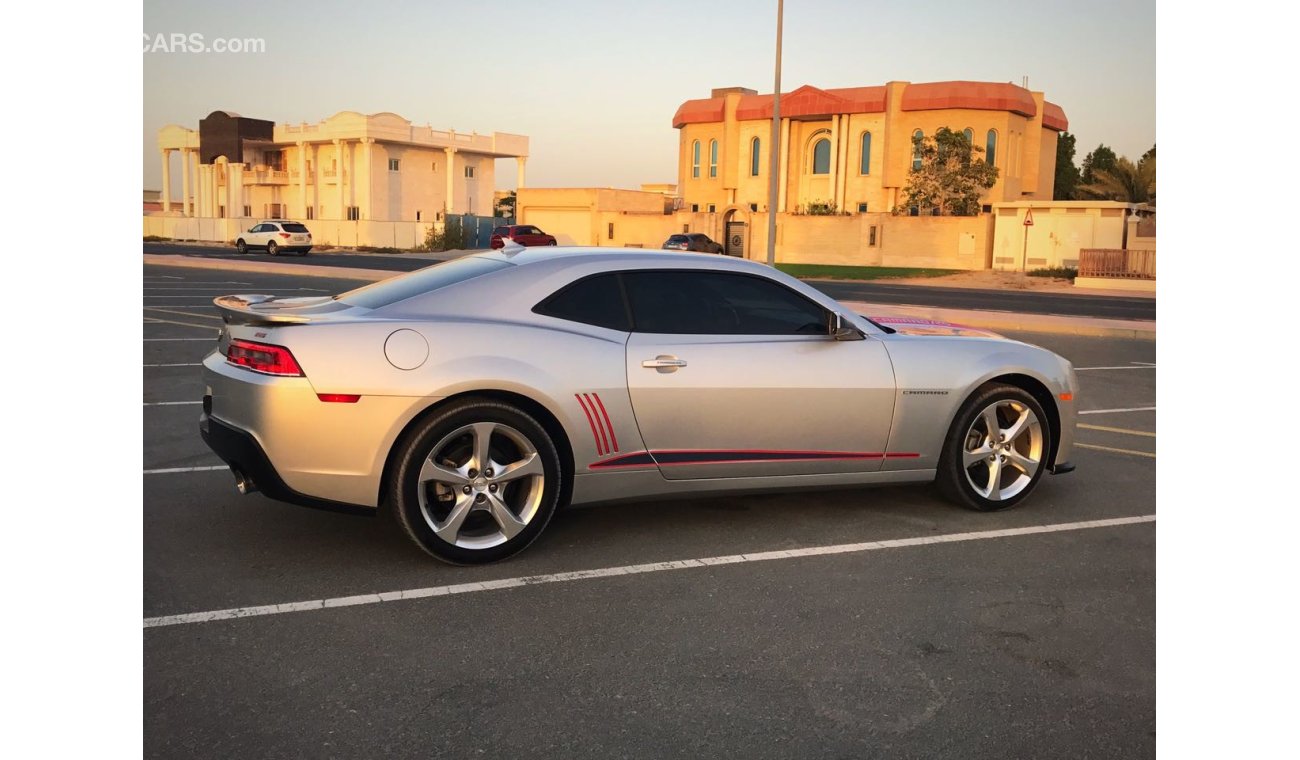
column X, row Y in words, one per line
column 1127, row 182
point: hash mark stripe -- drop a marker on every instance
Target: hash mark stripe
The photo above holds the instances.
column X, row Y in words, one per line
column 609, row 424
column 599, row 451
column 652, row 567
column 599, row 425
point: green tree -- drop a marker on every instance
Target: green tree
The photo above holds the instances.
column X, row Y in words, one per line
column 1151, row 154
column 950, row 178
column 1067, row 174
column 1101, row 159
column 1126, row 182
column 505, row 207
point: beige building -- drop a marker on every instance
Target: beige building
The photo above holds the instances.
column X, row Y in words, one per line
column 851, row 148
column 349, row 167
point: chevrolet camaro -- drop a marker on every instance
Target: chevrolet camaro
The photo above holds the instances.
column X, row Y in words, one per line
column 476, row 397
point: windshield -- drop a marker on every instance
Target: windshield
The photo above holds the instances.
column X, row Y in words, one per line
column 421, row 281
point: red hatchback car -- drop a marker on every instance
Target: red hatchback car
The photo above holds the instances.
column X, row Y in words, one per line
column 523, row 234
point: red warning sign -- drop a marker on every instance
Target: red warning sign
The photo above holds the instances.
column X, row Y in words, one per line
column 1029, row 217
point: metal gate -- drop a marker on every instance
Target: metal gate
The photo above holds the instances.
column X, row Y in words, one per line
column 737, row 236
column 474, row 231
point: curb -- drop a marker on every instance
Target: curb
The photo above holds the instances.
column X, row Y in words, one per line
column 990, row 320
column 270, row 267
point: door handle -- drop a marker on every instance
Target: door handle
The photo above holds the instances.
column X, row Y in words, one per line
column 664, row 363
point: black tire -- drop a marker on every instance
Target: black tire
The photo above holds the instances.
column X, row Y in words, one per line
column 271, row 248
column 241, row 246
column 304, row 252
column 415, row 448
column 953, row 480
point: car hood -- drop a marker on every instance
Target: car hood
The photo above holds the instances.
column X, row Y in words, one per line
column 919, row 326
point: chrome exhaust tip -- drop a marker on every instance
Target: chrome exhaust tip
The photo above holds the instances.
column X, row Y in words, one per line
column 243, row 483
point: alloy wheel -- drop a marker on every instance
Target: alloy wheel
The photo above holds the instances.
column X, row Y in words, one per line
column 1002, row 450
column 480, row 485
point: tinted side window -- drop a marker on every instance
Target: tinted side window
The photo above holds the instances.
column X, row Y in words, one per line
column 594, row 301
column 719, row 303
column 503, row 231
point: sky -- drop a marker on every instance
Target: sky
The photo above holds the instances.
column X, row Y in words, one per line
column 594, row 85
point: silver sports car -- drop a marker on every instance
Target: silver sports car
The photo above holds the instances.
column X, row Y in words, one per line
column 478, row 396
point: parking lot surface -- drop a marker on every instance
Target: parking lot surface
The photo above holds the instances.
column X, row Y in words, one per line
column 1023, row 644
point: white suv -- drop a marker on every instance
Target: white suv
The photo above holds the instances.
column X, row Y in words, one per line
column 276, row 235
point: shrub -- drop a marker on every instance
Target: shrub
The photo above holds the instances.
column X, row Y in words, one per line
column 1066, row 273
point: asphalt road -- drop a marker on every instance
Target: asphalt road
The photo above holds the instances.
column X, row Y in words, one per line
column 1031, row 645
column 1064, row 304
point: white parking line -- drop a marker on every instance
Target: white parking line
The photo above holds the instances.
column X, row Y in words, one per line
column 1144, row 366
column 1118, row 411
column 196, row 315
column 1125, row 431
column 169, row 470
column 607, row 572
column 171, row 403
column 1115, row 450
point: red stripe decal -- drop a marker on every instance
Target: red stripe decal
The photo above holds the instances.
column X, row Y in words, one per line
column 599, row 451
column 599, row 424
column 609, row 424
column 902, row 455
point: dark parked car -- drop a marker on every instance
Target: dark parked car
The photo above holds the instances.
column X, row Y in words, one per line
column 693, row 241
column 523, row 234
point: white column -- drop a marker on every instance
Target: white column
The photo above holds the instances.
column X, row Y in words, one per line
column 198, row 183
column 235, row 182
column 835, row 160
column 338, row 177
column 313, row 158
column 185, row 183
column 519, row 163
column 302, row 180
column 167, row 181
column 367, row 159
column 785, row 165
column 451, row 195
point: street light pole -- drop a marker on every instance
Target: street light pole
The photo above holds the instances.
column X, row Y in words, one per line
column 774, row 163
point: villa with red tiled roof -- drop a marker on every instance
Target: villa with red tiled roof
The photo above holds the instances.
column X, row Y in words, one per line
column 852, row 147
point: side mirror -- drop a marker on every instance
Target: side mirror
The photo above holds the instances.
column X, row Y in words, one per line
column 840, row 330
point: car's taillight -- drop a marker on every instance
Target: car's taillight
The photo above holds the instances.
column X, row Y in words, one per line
column 284, row 235
column 262, row 357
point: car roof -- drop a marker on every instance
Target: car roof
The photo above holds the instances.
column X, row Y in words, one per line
column 562, row 256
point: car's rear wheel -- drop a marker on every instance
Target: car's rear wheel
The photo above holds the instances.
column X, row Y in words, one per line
column 271, row 248
column 997, row 449
column 475, row 482
column 241, row 246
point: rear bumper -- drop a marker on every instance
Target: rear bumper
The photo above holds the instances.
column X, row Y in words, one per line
column 239, row 449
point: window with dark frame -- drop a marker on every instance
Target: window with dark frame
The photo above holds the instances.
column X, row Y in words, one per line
column 394, row 164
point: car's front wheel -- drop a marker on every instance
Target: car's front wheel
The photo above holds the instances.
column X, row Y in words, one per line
column 996, row 450
column 475, row 482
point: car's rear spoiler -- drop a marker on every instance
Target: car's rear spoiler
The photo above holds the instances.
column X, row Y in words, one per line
column 258, row 309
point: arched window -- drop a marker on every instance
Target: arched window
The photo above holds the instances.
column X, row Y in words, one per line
column 866, row 153
column 991, row 149
column 713, row 158
column 754, row 148
column 822, row 157
column 970, row 135
column 917, row 138
column 695, row 160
